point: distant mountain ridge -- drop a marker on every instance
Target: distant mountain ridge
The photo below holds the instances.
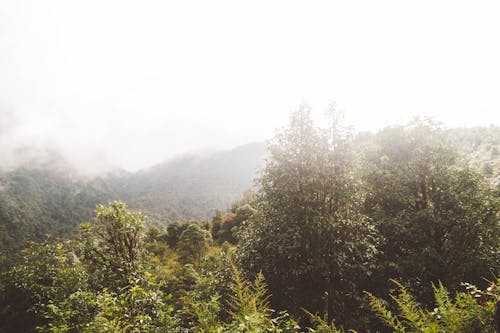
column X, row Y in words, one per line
column 40, row 200
column 193, row 186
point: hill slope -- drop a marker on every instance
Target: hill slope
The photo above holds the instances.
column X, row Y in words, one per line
column 38, row 201
column 45, row 200
column 35, row 203
column 192, row 186
column 481, row 147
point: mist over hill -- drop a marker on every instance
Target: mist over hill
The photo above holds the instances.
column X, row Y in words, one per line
column 50, row 197
column 192, row 186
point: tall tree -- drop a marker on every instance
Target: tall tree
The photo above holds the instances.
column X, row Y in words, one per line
column 113, row 244
column 438, row 220
column 194, row 243
column 308, row 238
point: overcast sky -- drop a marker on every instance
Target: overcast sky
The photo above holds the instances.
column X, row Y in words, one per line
column 131, row 83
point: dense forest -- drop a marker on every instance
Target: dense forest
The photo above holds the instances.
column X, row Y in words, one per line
column 394, row 231
column 50, row 198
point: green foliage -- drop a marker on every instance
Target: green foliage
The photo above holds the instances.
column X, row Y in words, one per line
column 467, row 312
column 437, row 221
column 227, row 228
column 135, row 309
column 249, row 304
column 250, row 311
column 309, row 237
column 480, row 146
column 50, row 200
column 191, row 186
column 48, row 274
column 113, row 245
column 35, row 203
column 210, row 304
column 102, row 284
column 329, row 220
column 153, row 234
column 61, row 291
column 194, row 243
column 174, row 232
column 322, row 325
column 207, row 315
column 217, row 221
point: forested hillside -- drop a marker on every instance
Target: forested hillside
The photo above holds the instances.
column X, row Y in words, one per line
column 193, row 186
column 481, row 148
column 401, row 235
column 48, row 199
column 36, row 203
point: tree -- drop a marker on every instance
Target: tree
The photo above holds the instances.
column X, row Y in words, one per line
column 48, row 273
column 217, row 221
column 174, row 232
column 100, row 285
column 113, row 245
column 308, row 237
column 438, row 220
column 226, row 229
column 194, row 243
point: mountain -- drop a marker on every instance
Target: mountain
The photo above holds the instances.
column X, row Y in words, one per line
column 49, row 198
column 193, row 186
column 43, row 200
column 35, row 203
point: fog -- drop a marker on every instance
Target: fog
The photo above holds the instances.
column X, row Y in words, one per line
column 128, row 84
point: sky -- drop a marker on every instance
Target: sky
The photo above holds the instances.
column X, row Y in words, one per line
column 115, row 83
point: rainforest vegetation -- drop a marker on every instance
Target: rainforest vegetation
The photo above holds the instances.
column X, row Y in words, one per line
column 396, row 231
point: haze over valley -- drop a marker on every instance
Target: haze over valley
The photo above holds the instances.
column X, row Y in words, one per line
column 247, row 167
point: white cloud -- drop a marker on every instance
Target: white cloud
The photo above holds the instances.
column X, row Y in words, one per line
column 140, row 81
